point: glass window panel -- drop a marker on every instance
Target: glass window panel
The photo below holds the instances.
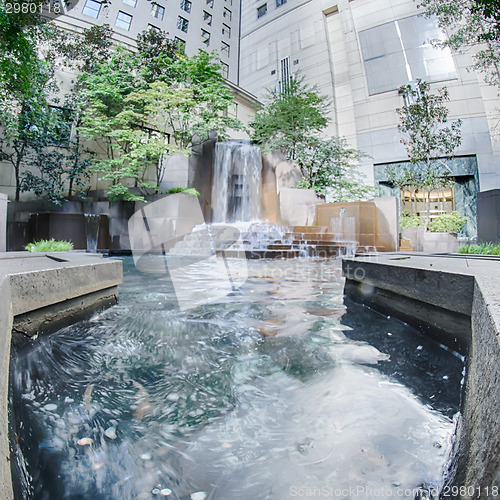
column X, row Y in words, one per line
column 182, row 24
column 132, row 3
column 91, row 9
column 157, row 11
column 207, row 17
column 389, row 49
column 123, row 21
column 186, row 5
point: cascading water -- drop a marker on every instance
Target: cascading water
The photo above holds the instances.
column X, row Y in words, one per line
column 92, row 231
column 237, row 182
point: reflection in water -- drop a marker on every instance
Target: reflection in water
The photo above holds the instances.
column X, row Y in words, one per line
column 273, row 392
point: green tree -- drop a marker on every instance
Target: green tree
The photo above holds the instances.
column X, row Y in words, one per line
column 330, row 166
column 291, row 119
column 293, row 123
column 472, row 25
column 132, row 118
column 35, row 132
column 426, row 136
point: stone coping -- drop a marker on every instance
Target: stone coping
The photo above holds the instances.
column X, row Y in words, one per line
column 41, row 292
column 455, row 298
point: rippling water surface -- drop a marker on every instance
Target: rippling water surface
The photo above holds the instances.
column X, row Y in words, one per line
column 276, row 391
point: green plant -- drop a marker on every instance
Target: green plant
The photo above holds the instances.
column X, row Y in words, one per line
column 481, row 248
column 291, row 118
column 408, row 220
column 447, row 223
column 192, row 191
column 426, row 136
column 51, row 245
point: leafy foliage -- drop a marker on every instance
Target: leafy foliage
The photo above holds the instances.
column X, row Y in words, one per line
column 292, row 123
column 51, row 245
column 408, row 221
column 184, row 190
column 426, row 136
column 331, row 163
column 447, row 223
column 137, row 122
column 422, row 123
column 35, row 133
column 291, row 119
column 481, row 248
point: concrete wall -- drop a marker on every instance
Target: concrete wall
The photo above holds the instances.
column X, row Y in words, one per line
column 5, row 327
column 375, row 222
column 41, row 293
column 298, row 206
column 488, row 216
column 478, row 453
column 3, row 222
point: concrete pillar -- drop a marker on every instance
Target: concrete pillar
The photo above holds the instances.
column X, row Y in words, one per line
column 3, row 222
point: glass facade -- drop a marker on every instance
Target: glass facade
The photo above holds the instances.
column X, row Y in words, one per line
column 399, row 52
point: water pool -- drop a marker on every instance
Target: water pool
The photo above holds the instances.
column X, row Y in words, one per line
column 278, row 390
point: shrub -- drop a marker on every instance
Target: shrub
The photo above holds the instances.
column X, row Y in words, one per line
column 192, row 191
column 481, row 248
column 408, row 220
column 447, row 223
column 49, row 246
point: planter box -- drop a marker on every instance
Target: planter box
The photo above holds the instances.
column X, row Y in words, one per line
column 422, row 241
column 440, row 242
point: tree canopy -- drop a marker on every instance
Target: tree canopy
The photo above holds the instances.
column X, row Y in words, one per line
column 293, row 122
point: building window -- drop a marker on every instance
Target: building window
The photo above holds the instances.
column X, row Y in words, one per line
column 207, row 17
column 225, row 70
column 186, row 5
column 398, row 52
column 157, row 11
column 285, row 74
column 227, row 14
column 225, row 48
column 279, row 3
column 182, row 24
column 132, row 3
column 91, row 9
column 226, row 30
column 262, row 10
column 210, row 3
column 205, row 37
column 153, row 28
column 123, row 20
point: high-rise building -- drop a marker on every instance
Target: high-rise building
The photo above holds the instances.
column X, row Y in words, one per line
column 198, row 24
column 358, row 53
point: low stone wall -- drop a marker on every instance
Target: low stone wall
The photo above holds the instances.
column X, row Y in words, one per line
column 5, row 327
column 41, row 293
column 457, row 300
column 478, row 450
column 3, row 222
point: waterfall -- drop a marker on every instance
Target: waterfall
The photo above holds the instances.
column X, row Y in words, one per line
column 92, row 231
column 237, row 182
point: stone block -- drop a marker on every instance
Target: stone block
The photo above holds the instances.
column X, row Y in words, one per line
column 298, row 206
column 3, row 222
column 5, row 327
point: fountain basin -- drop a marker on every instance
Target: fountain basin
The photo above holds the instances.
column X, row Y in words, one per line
column 456, row 299
column 42, row 293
